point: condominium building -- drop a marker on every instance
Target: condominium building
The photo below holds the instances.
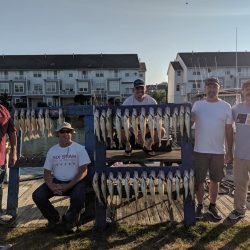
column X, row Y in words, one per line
column 187, row 73
column 57, row 79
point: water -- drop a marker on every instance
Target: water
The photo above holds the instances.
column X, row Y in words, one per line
column 39, row 147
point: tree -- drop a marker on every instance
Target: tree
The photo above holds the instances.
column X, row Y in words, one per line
column 5, row 100
column 159, row 96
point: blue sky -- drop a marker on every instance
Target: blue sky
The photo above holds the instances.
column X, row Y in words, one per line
column 154, row 29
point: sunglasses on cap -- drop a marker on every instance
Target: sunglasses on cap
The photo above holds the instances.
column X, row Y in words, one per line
column 63, row 131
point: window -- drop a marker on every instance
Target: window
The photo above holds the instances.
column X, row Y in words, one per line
column 19, row 87
column 178, row 73
column 227, row 72
column 198, row 73
column 38, row 88
column 194, row 85
column 208, row 70
column 141, row 75
column 49, row 101
column 239, row 69
column 51, row 87
column 135, row 73
column 21, row 73
column 83, row 86
column 177, row 87
column 37, row 74
column 126, row 74
column 70, row 75
column 114, row 86
column 4, row 88
column 198, row 85
column 194, row 72
column 99, row 75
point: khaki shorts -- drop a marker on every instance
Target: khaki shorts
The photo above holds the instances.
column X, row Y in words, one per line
column 214, row 163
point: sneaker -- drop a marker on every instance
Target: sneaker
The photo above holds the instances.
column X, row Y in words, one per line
column 234, row 215
column 199, row 212
column 214, row 212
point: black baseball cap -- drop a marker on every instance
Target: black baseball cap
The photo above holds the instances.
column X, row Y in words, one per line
column 212, row 80
column 139, row 83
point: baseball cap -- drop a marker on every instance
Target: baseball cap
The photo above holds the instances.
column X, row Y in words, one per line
column 212, row 80
column 138, row 83
column 64, row 125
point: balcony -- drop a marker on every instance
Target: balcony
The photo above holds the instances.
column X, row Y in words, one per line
column 35, row 92
column 67, row 92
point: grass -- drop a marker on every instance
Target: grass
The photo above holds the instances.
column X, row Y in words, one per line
column 204, row 235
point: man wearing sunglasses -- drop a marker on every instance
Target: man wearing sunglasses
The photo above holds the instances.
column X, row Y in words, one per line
column 65, row 171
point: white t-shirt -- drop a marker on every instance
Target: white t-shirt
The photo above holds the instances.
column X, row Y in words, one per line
column 147, row 100
column 64, row 162
column 210, row 121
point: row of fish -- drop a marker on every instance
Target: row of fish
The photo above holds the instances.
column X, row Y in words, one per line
column 33, row 126
column 158, row 121
column 161, row 183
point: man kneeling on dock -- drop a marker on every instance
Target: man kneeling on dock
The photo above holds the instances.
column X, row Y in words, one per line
column 65, row 171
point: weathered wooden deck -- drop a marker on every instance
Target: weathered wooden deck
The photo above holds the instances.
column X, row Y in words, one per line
column 30, row 216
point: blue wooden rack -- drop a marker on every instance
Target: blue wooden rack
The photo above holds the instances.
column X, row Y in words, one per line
column 97, row 154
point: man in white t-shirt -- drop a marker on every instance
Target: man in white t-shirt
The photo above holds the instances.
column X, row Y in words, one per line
column 140, row 97
column 213, row 125
column 65, row 171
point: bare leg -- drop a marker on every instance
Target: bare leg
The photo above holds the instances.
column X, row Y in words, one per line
column 213, row 191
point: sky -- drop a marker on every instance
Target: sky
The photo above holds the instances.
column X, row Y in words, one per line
column 156, row 30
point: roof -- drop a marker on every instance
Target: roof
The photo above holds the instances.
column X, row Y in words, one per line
column 73, row 61
column 213, row 59
column 176, row 65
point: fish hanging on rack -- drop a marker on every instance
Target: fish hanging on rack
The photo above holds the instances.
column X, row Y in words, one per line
column 175, row 123
column 152, row 184
column 151, row 123
column 104, row 186
column 41, row 123
column 126, row 126
column 127, row 186
column 61, row 118
column 22, row 123
column 109, row 127
column 110, row 182
column 119, row 186
column 186, row 183
column 169, row 186
column 161, row 185
column 34, row 129
column 28, row 125
column 177, row 184
column 135, row 124
column 143, row 181
column 16, row 121
column 97, row 124
column 188, row 121
column 166, row 122
column 95, row 184
column 159, row 124
column 118, row 126
column 191, row 183
column 182, row 119
column 48, row 123
column 136, row 185
column 143, row 122
column 103, row 125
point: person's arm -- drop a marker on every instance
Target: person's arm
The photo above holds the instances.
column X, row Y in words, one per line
column 229, row 143
column 82, row 173
column 13, row 142
column 48, row 178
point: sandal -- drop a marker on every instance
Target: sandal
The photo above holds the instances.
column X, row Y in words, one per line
column 149, row 152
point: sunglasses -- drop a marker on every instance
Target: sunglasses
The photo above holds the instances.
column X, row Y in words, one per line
column 65, row 131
